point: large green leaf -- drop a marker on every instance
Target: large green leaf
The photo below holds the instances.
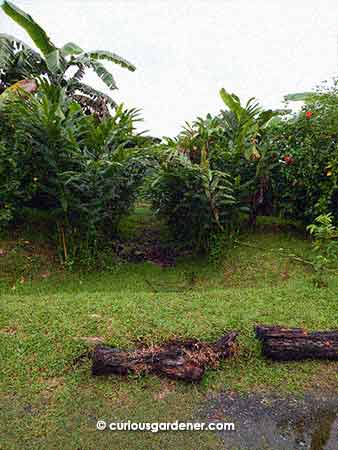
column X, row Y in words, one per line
column 71, row 49
column 231, row 102
column 298, row 97
column 98, row 68
column 36, row 33
column 112, row 57
column 104, row 74
column 55, row 62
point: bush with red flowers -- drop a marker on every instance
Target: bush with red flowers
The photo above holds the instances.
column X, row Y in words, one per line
column 306, row 184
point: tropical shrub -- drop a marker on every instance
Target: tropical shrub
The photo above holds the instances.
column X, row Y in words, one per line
column 325, row 246
column 248, row 155
column 305, row 185
column 216, row 168
column 82, row 171
column 195, row 200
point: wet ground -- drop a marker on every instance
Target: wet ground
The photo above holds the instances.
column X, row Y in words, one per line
column 276, row 423
column 148, row 245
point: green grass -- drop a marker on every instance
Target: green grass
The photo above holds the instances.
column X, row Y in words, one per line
column 48, row 402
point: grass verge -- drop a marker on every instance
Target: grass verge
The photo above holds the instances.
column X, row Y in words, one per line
column 46, row 322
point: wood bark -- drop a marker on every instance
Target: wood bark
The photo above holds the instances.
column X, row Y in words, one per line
column 183, row 360
column 294, row 344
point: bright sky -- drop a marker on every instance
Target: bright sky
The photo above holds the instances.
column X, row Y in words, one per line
column 186, row 50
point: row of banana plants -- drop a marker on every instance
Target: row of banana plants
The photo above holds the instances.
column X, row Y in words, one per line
column 247, row 161
column 72, row 154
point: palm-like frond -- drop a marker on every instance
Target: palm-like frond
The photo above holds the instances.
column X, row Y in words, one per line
column 252, row 108
column 18, row 44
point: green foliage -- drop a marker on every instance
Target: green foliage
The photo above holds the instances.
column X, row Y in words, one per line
column 84, row 172
column 246, row 124
column 85, row 169
column 298, row 97
column 325, row 246
column 18, row 61
column 221, row 244
column 324, row 233
column 214, row 169
column 305, row 185
column 195, row 200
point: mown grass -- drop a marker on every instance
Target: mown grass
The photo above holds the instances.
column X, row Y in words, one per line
column 51, row 402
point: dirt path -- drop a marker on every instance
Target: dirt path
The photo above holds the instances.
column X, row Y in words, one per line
column 149, row 242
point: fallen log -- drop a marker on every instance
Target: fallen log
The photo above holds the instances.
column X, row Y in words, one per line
column 182, row 360
column 295, row 344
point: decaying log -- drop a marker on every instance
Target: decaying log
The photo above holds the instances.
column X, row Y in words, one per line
column 183, row 360
column 294, row 344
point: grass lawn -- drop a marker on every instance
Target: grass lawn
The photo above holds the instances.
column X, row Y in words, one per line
column 48, row 401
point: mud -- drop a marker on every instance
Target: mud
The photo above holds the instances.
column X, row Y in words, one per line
column 148, row 246
column 276, row 423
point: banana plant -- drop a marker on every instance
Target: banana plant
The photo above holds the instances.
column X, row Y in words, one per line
column 246, row 123
column 19, row 61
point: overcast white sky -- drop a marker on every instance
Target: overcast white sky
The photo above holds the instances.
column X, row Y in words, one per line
column 186, row 50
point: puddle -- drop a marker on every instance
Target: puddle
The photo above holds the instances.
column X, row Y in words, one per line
column 278, row 423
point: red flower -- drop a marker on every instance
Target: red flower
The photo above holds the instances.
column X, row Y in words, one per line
column 308, row 114
column 288, row 159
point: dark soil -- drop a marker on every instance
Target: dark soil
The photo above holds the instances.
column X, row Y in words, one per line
column 148, row 245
